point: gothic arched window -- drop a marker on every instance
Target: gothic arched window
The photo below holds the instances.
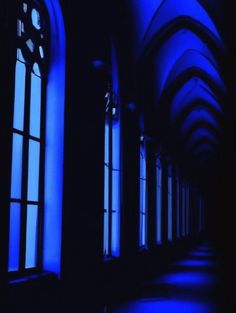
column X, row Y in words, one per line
column 112, row 164
column 37, row 136
column 143, row 195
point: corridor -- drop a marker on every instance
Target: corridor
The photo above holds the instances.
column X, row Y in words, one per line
column 189, row 286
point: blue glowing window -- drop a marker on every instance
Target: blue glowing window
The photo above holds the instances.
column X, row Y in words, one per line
column 159, row 199
column 33, row 170
column 112, row 171
column 37, row 86
column 35, row 106
column 14, row 239
column 31, row 236
column 143, row 197
column 111, row 232
column 19, row 103
column 187, row 209
column 16, row 175
column 170, row 204
column 183, row 210
column 177, row 207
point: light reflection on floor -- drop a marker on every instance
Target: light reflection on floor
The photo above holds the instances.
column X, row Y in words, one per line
column 205, row 254
column 165, row 306
column 188, row 279
column 196, row 263
column 193, row 273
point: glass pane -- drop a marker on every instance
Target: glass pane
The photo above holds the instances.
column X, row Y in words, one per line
column 115, row 244
column 177, row 209
column 142, row 236
column 16, row 172
column 183, row 210
column 169, row 208
column 35, row 19
column 33, row 170
column 14, row 237
column 106, row 192
column 35, row 106
column 116, row 145
column 30, row 45
column 159, row 204
column 19, row 102
column 31, row 236
column 187, row 210
column 106, row 234
column 143, row 204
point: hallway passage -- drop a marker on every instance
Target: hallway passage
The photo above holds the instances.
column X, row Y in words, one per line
column 190, row 286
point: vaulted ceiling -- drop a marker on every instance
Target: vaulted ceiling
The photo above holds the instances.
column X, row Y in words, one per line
column 180, row 53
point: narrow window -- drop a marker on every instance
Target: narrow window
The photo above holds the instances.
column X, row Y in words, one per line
column 143, row 195
column 159, row 199
column 183, row 209
column 170, row 204
column 177, row 199
column 26, row 204
column 111, row 231
column 37, row 139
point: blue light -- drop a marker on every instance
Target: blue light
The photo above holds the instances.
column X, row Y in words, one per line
column 169, row 11
column 190, row 93
column 16, row 175
column 142, row 14
column 143, row 198
column 106, row 191
column 195, row 263
column 31, row 236
column 14, row 237
column 35, row 106
column 19, row 102
column 199, row 134
column 171, row 52
column 177, row 208
column 204, row 254
column 33, row 170
column 183, row 210
column 189, row 279
column 195, row 59
column 35, row 19
column 170, row 207
column 98, row 64
column 162, row 305
column 187, row 208
column 196, row 116
column 159, row 200
column 54, row 141
column 116, row 129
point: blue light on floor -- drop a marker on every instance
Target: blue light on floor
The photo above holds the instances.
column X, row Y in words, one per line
column 158, row 305
column 201, row 254
column 186, row 279
column 195, row 263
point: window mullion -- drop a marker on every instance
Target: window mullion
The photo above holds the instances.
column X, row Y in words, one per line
column 25, row 170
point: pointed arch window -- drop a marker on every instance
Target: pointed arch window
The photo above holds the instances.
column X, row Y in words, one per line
column 36, row 152
column 159, row 199
column 143, row 222
column 170, row 202
column 112, row 164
